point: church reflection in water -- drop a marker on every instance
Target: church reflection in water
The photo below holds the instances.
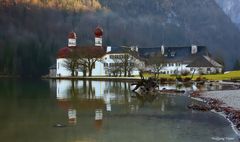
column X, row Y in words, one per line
column 90, row 96
column 98, row 100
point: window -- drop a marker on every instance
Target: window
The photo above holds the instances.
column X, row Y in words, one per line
column 105, row 64
column 172, row 54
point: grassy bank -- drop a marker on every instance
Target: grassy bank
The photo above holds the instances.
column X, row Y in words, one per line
column 232, row 75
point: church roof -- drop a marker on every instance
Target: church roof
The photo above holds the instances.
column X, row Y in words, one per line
column 123, row 50
column 118, row 50
column 72, row 35
column 174, row 53
column 93, row 51
column 204, row 61
column 63, row 52
column 98, row 31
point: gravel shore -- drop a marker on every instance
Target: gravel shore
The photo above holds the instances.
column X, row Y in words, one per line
column 228, row 97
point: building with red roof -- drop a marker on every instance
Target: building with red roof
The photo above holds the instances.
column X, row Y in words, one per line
column 101, row 67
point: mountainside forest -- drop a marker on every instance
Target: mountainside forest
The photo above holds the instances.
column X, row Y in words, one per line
column 32, row 31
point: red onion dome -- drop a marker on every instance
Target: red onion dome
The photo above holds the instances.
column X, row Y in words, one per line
column 98, row 31
column 63, row 52
column 72, row 35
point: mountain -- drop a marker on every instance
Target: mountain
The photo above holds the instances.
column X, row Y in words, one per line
column 72, row 5
column 33, row 31
column 232, row 9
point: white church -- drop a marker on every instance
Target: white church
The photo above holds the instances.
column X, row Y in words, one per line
column 106, row 65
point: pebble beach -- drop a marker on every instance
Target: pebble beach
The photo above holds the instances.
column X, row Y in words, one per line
column 229, row 98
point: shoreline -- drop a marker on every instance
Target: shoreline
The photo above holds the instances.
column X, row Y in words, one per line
column 95, row 78
column 221, row 113
column 223, row 104
column 229, row 98
column 7, row 76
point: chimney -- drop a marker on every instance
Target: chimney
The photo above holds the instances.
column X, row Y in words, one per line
column 109, row 48
column 136, row 48
column 194, row 49
column 162, row 50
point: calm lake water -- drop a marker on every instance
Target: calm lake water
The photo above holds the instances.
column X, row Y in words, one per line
column 83, row 111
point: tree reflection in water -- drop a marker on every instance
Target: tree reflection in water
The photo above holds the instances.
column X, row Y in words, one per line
column 94, row 96
column 145, row 97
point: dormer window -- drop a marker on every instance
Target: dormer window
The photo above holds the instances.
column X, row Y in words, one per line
column 194, row 49
column 172, row 54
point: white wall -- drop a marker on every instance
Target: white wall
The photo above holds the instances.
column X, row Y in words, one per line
column 99, row 69
column 171, row 69
column 62, row 71
column 107, row 59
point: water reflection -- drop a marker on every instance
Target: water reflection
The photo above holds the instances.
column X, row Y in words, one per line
column 145, row 98
column 95, row 96
column 111, row 108
column 72, row 116
column 208, row 86
column 104, row 112
column 101, row 97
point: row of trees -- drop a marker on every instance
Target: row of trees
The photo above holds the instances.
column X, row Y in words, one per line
column 83, row 59
column 121, row 66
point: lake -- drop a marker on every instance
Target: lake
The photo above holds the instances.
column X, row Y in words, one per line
column 101, row 111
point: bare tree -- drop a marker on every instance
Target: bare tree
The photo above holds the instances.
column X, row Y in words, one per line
column 88, row 57
column 71, row 62
column 127, row 61
column 115, row 68
column 122, row 63
column 83, row 59
column 156, row 62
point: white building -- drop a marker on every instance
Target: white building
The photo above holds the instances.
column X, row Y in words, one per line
column 184, row 59
column 107, row 64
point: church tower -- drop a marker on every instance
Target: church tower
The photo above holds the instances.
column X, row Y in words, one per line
column 98, row 36
column 72, row 39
